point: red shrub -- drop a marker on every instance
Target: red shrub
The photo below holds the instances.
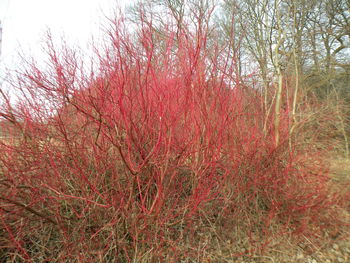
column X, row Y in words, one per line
column 127, row 161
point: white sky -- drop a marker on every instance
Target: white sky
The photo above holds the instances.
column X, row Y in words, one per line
column 24, row 23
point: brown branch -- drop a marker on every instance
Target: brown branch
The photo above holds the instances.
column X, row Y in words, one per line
column 31, row 210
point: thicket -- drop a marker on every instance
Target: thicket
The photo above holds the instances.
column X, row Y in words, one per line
column 157, row 154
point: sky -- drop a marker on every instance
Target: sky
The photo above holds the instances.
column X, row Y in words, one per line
column 25, row 22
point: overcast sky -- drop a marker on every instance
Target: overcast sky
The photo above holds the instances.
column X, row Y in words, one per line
column 24, row 23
